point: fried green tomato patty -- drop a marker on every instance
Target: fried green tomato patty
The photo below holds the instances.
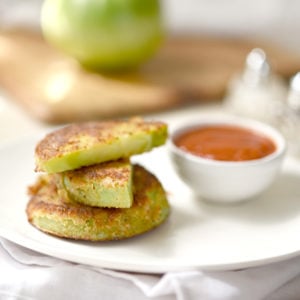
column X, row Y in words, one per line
column 84, row 144
column 108, row 184
column 52, row 211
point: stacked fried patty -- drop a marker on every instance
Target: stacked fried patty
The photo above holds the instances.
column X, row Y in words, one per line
column 89, row 189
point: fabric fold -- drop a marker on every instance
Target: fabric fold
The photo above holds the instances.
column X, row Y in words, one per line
column 31, row 275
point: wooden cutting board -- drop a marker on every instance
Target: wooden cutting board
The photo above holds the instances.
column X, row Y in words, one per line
column 55, row 89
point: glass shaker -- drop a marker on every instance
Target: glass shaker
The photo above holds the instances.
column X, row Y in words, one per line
column 257, row 92
column 290, row 118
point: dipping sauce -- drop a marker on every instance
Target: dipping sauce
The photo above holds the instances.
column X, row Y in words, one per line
column 225, row 142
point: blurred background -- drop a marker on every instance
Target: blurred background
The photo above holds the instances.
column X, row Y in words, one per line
column 206, row 45
column 275, row 20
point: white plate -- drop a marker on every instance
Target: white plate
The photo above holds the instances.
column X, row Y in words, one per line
column 196, row 235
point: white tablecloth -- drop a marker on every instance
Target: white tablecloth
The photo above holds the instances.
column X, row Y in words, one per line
column 25, row 274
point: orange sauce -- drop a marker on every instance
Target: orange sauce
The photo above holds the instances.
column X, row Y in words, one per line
column 226, row 143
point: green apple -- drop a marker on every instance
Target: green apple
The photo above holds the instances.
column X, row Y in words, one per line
column 104, row 34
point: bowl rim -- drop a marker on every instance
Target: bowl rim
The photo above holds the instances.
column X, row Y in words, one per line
column 254, row 125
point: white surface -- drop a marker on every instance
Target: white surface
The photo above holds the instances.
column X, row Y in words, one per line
column 276, row 21
column 197, row 235
column 14, row 123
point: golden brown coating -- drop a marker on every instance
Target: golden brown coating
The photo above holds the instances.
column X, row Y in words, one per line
column 108, row 184
column 52, row 211
column 83, row 144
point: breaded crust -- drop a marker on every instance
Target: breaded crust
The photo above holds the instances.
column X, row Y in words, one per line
column 88, row 143
column 52, row 211
column 108, row 184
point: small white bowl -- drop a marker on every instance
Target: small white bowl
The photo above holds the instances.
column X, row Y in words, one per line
column 228, row 181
